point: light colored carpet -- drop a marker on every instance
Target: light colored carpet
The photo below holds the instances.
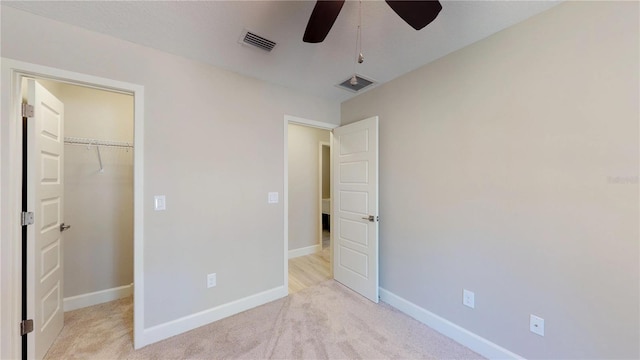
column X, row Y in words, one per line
column 325, row 321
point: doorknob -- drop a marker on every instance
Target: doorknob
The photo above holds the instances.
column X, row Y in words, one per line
column 371, row 218
column 64, row 227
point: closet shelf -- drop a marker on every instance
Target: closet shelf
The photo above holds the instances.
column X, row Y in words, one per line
column 89, row 142
column 98, row 144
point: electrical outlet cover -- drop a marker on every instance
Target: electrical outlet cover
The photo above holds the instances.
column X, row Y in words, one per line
column 468, row 298
column 211, row 280
column 536, row 325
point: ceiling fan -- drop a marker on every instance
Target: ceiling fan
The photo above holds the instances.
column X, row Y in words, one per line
column 416, row 13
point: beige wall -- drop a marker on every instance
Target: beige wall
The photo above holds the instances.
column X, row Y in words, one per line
column 98, row 249
column 326, row 172
column 304, row 203
column 214, row 157
column 510, row 168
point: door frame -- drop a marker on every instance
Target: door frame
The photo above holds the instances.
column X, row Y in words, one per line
column 288, row 119
column 13, row 71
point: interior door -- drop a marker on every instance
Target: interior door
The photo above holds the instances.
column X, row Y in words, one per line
column 45, row 143
column 355, row 209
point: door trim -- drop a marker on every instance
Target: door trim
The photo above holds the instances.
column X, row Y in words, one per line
column 288, row 119
column 11, row 178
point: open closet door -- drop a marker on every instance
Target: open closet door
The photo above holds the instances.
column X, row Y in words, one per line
column 355, row 209
column 45, row 145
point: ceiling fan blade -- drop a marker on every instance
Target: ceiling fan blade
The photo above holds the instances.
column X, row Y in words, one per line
column 322, row 18
column 418, row 14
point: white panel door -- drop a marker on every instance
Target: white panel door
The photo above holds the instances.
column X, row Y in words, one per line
column 355, row 208
column 45, row 143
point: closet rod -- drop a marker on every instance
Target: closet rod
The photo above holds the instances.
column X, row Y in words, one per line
column 88, row 142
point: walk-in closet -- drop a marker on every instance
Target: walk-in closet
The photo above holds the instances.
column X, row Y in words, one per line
column 98, row 194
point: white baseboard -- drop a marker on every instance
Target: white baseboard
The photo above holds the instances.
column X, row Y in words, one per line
column 98, row 297
column 190, row 322
column 465, row 337
column 305, row 251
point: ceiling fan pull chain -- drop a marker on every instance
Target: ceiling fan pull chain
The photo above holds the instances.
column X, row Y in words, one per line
column 360, row 56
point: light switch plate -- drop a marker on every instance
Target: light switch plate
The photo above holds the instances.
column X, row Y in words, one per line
column 159, row 202
column 273, row 198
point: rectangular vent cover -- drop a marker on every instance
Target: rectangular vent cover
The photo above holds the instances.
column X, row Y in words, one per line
column 362, row 83
column 249, row 38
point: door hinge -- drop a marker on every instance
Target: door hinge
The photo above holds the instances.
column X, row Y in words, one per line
column 26, row 326
column 26, row 218
column 27, row 110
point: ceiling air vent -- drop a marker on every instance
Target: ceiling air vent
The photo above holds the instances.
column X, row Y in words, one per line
column 251, row 39
column 359, row 85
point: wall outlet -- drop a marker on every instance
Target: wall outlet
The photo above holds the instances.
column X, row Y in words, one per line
column 211, row 280
column 536, row 325
column 468, row 298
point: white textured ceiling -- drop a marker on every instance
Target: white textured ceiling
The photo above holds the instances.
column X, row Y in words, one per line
column 209, row 31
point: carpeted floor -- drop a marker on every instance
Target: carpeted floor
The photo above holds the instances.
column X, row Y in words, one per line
column 326, row 321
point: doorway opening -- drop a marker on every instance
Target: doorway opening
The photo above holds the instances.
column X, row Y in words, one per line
column 308, row 251
column 89, row 259
column 324, row 162
column 11, row 264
